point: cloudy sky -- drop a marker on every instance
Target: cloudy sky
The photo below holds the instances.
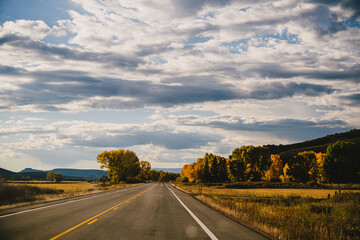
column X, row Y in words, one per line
column 172, row 79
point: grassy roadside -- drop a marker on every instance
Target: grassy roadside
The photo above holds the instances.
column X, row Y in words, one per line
column 287, row 213
column 23, row 193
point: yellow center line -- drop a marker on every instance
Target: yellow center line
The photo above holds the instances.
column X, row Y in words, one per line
column 115, row 208
column 92, row 221
column 86, row 221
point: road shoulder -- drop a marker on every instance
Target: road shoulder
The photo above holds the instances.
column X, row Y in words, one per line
column 202, row 200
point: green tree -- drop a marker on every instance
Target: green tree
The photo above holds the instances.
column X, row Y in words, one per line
column 222, row 169
column 301, row 165
column 121, row 164
column 50, row 176
column 214, row 168
column 154, row 175
column 254, row 160
column 206, row 171
column 168, row 176
column 145, row 167
column 58, row 177
column 342, row 162
column 236, row 166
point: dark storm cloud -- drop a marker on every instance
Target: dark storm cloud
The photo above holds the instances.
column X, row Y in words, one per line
column 298, row 129
column 272, row 70
column 353, row 5
column 50, row 88
column 352, row 99
column 323, row 20
column 11, row 71
column 51, row 51
column 271, row 126
column 277, row 90
column 181, row 140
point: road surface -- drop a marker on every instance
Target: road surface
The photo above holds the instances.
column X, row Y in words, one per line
column 149, row 211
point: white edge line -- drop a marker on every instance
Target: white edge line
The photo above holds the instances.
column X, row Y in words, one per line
column 57, row 204
column 202, row 225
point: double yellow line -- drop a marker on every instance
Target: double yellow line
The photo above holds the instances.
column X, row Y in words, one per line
column 90, row 219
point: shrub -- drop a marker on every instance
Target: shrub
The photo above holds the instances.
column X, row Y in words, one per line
column 182, row 179
column 21, row 193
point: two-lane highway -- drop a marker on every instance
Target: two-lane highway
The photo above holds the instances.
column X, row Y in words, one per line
column 149, row 211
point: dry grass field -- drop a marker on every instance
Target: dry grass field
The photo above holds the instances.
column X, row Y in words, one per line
column 261, row 192
column 287, row 213
column 21, row 193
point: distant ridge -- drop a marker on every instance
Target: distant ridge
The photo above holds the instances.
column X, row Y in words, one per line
column 68, row 173
column 316, row 145
column 6, row 173
column 25, row 170
column 173, row 170
column 87, row 174
column 38, row 174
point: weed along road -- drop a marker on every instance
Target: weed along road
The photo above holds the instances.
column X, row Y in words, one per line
column 149, row 211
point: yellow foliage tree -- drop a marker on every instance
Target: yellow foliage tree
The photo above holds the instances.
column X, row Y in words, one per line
column 275, row 170
column 121, row 164
column 320, row 160
column 285, row 177
column 188, row 171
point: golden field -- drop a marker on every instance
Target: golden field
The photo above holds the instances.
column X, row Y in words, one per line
column 20, row 193
column 261, row 192
column 287, row 213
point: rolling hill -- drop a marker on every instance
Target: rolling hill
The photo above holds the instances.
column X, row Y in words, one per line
column 316, row 145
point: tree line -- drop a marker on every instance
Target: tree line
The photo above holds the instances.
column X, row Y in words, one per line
column 124, row 166
column 340, row 164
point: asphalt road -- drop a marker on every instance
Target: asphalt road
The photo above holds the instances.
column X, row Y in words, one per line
column 149, row 211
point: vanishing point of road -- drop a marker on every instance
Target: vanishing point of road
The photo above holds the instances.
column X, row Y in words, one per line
column 149, row 211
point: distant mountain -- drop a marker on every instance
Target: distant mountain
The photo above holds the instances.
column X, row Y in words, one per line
column 68, row 173
column 38, row 174
column 6, row 173
column 173, row 170
column 86, row 174
column 25, row 170
column 316, row 145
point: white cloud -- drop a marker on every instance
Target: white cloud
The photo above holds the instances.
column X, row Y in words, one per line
column 255, row 63
column 17, row 161
column 34, row 29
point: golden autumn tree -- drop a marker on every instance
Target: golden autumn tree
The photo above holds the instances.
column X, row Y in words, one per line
column 320, row 160
column 286, row 177
column 184, row 172
column 121, row 164
column 275, row 170
column 188, row 172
